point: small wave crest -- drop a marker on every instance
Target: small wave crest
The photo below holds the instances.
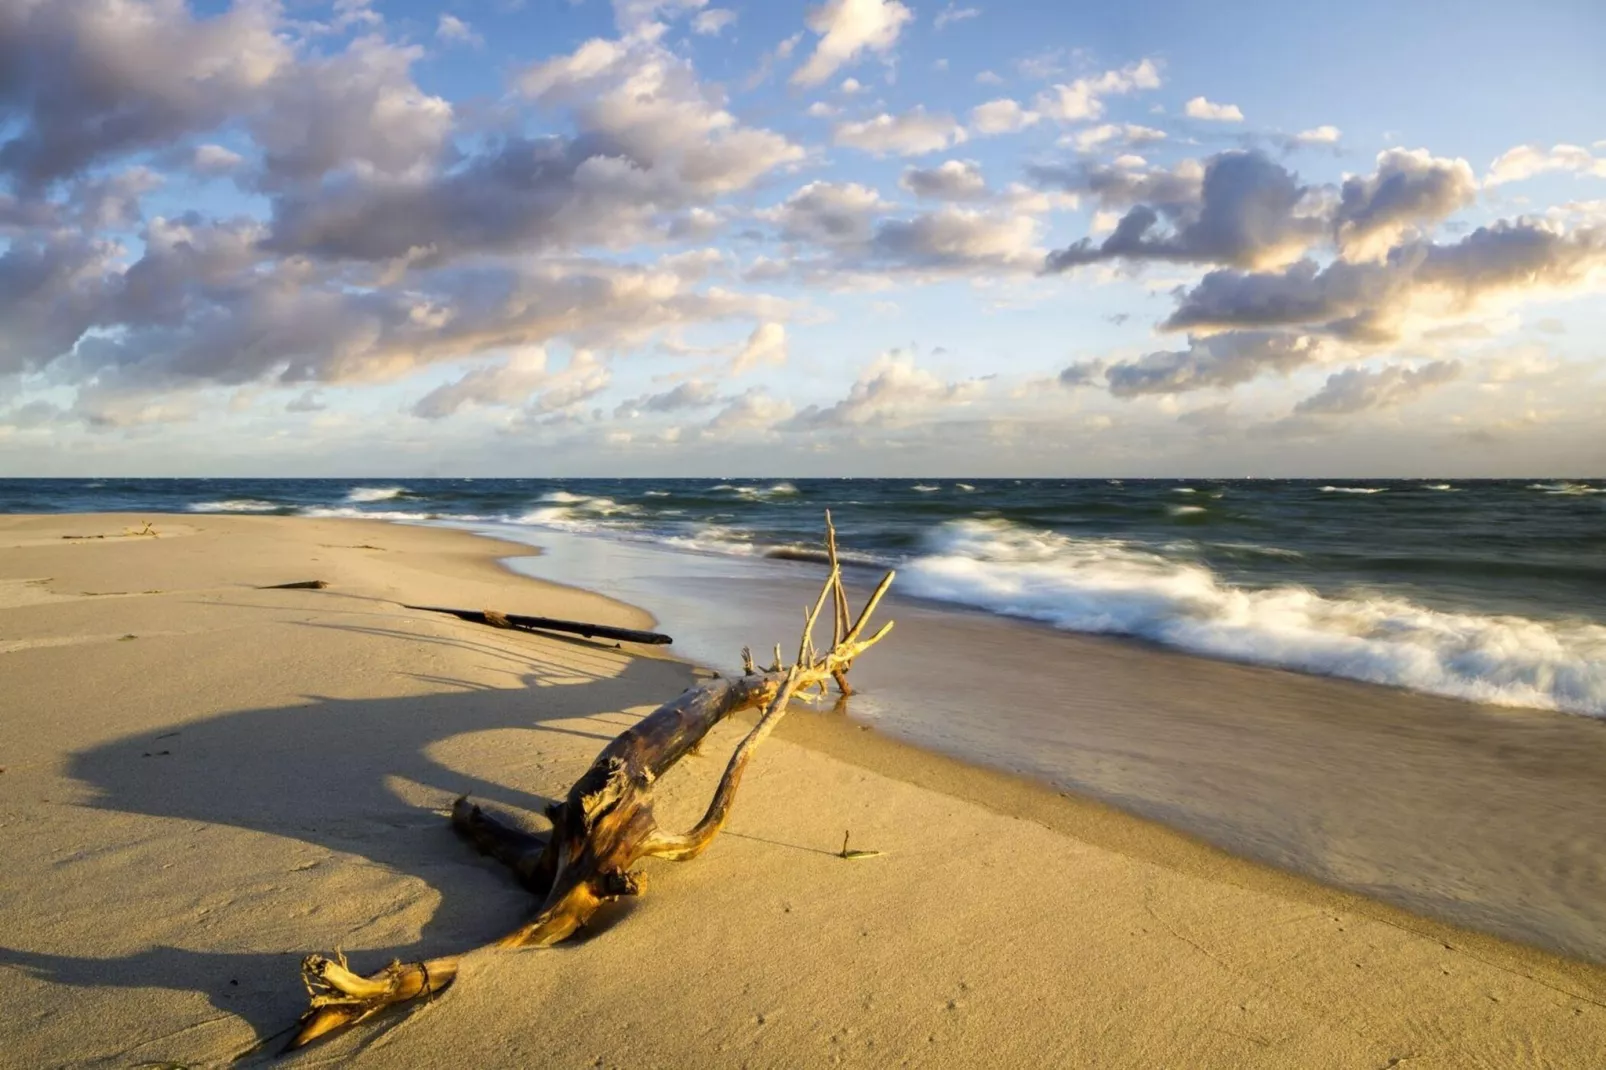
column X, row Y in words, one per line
column 1109, row 586
column 340, row 512
column 1353, row 490
column 566, row 511
column 235, row 505
column 774, row 490
column 374, row 494
column 924, row 488
column 1565, row 487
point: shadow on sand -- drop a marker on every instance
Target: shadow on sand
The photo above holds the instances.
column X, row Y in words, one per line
column 323, row 773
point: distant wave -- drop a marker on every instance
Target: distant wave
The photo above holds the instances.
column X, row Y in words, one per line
column 1567, row 488
column 338, row 512
column 924, row 488
column 374, row 494
column 1354, row 490
column 965, row 487
column 236, row 505
column 1184, row 510
column 1109, row 586
column 1437, row 486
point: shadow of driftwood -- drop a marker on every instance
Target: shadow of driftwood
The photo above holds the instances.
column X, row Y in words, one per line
column 323, row 773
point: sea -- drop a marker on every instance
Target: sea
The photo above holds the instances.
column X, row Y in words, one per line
column 1488, row 590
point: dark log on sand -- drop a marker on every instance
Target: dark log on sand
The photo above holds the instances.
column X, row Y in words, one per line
column 605, row 825
column 550, row 624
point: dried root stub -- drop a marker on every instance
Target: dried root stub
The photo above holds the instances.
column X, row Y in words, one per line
column 605, row 825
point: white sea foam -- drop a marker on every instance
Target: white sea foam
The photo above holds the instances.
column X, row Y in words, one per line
column 1438, row 486
column 1105, row 585
column 1565, row 487
column 565, row 511
column 774, row 490
column 339, row 512
column 964, row 486
column 1354, row 490
column 1184, row 510
column 656, row 494
column 235, row 505
column 374, row 494
column 1183, row 490
column 925, row 488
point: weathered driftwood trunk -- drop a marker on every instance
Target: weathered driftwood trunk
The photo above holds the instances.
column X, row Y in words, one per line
column 605, row 825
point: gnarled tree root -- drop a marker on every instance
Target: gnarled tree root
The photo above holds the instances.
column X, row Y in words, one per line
column 605, row 825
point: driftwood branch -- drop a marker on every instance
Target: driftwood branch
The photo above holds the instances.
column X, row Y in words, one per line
column 605, row 824
column 550, row 624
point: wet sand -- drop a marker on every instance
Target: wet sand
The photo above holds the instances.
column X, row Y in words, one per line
column 1485, row 817
column 204, row 781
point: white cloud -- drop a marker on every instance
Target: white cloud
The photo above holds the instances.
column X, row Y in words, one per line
column 215, row 160
column 1320, row 135
column 1200, row 108
column 912, row 133
column 989, row 78
column 712, row 22
column 1083, row 99
column 509, row 382
column 850, row 86
column 754, row 410
column 953, row 13
column 1356, row 390
column 846, row 29
column 693, row 394
column 1097, row 137
column 891, row 391
column 828, row 213
column 1410, row 190
column 766, row 345
column 955, row 180
column 454, row 30
column 1526, row 161
column 1002, row 116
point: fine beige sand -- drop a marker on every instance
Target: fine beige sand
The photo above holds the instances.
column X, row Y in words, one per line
column 204, row 781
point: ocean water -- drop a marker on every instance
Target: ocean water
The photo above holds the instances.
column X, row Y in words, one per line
column 1489, row 590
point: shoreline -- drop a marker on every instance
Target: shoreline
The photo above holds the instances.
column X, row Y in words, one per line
column 1486, row 817
column 1078, row 877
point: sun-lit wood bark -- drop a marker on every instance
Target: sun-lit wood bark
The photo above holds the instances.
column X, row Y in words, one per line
column 605, row 825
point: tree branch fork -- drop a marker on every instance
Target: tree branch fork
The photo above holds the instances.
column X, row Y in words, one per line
column 605, row 825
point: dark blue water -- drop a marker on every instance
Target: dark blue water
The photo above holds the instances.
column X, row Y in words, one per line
column 1493, row 590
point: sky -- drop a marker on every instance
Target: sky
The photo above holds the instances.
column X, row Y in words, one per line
column 857, row 237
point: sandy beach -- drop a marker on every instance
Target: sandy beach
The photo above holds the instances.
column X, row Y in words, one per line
column 204, row 780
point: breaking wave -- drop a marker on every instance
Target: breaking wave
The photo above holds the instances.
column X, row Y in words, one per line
column 1113, row 587
column 236, row 505
column 374, row 494
column 1354, row 490
column 345, row 513
column 1567, row 488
